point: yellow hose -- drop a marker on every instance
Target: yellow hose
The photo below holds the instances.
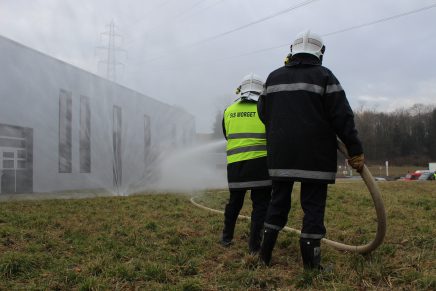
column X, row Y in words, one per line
column 379, row 209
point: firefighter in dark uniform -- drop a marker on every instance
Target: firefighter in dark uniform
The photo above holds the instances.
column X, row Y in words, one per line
column 304, row 109
column 246, row 162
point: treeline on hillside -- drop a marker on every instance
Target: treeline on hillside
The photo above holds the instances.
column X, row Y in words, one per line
column 403, row 137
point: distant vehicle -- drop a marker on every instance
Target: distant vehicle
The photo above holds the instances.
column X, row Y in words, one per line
column 426, row 176
column 379, row 179
column 422, row 171
column 412, row 176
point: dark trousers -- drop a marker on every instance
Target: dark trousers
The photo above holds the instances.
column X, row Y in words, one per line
column 260, row 198
column 313, row 201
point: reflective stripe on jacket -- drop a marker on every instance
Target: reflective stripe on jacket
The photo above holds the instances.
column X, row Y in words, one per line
column 245, row 132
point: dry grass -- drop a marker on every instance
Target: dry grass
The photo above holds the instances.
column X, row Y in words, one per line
column 162, row 242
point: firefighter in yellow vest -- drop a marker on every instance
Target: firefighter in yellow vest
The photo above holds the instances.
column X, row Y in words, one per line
column 246, row 162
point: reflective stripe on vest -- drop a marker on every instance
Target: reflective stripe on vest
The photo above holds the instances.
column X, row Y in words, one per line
column 249, row 184
column 246, row 135
column 245, row 132
column 246, row 149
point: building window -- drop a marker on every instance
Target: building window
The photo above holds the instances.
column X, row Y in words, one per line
column 116, row 139
column 8, row 164
column 65, row 131
column 21, row 164
column 174, row 135
column 8, row 155
column 85, row 135
column 147, row 135
column 21, row 154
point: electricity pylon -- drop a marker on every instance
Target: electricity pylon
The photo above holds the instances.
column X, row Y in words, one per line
column 112, row 49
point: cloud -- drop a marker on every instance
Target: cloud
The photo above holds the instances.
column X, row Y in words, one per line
column 385, row 104
column 367, row 98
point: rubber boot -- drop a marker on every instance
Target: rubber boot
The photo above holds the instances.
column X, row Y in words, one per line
column 255, row 238
column 269, row 240
column 311, row 253
column 227, row 235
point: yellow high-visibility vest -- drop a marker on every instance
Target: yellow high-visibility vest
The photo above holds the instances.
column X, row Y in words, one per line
column 245, row 132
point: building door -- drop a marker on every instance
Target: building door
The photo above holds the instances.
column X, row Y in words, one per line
column 16, row 159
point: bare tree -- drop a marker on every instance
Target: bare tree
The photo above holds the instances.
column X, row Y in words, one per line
column 404, row 136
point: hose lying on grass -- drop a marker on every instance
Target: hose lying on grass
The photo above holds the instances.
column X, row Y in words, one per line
column 379, row 209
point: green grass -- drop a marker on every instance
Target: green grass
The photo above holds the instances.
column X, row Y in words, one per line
column 163, row 242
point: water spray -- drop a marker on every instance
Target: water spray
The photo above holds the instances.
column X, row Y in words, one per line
column 378, row 204
column 194, row 168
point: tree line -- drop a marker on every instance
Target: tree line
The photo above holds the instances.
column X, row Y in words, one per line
column 403, row 137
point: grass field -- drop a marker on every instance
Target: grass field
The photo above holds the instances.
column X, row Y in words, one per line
column 394, row 171
column 163, row 242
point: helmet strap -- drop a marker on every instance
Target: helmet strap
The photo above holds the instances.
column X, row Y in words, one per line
column 322, row 53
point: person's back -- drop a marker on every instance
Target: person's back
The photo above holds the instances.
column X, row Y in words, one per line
column 246, row 162
column 304, row 108
column 245, row 131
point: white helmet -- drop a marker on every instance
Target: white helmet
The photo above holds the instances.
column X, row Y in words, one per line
column 251, row 86
column 309, row 43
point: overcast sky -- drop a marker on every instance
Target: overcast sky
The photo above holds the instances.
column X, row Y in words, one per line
column 183, row 52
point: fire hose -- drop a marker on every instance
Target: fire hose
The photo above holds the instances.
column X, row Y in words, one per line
column 379, row 209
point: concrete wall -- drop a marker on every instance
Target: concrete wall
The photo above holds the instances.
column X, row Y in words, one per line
column 30, row 87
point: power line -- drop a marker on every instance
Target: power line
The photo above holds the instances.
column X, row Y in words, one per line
column 381, row 20
column 289, row 9
column 208, row 39
column 385, row 19
column 211, row 5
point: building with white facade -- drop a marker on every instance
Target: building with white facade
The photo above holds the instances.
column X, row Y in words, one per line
column 63, row 128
